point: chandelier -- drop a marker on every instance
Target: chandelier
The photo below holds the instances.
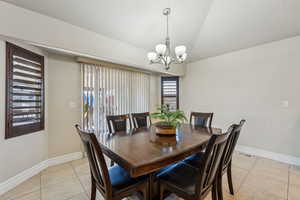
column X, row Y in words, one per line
column 163, row 51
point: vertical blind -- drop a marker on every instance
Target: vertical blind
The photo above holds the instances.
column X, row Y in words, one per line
column 111, row 91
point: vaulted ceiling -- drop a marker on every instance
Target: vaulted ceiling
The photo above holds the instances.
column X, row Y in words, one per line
column 207, row 27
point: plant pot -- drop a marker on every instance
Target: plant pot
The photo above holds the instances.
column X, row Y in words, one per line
column 165, row 130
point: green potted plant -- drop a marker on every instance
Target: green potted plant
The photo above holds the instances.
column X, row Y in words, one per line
column 168, row 121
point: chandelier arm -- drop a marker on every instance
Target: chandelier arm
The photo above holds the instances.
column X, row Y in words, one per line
column 157, row 61
column 163, row 59
column 178, row 62
column 172, row 61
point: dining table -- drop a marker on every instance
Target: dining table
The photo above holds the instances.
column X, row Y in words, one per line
column 140, row 151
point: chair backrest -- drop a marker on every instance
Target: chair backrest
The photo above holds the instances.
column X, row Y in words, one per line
column 231, row 142
column 118, row 122
column 211, row 161
column 98, row 167
column 201, row 119
column 140, row 120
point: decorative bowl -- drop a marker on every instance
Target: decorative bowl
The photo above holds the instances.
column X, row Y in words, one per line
column 166, row 130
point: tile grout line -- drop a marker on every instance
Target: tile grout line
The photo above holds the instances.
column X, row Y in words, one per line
column 248, row 173
column 77, row 176
column 21, row 195
column 40, row 185
column 288, row 187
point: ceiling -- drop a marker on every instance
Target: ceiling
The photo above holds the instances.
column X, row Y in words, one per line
column 207, row 27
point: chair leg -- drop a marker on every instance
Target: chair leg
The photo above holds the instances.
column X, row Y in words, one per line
column 161, row 192
column 151, row 184
column 219, row 187
column 229, row 177
column 146, row 192
column 214, row 193
column 93, row 190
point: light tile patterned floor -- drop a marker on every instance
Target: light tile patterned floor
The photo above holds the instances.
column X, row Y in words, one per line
column 254, row 179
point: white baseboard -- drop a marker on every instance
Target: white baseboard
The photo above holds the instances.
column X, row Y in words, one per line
column 21, row 177
column 28, row 173
column 268, row 154
column 64, row 158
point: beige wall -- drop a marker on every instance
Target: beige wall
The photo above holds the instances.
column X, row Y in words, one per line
column 19, row 153
column 251, row 84
column 64, row 103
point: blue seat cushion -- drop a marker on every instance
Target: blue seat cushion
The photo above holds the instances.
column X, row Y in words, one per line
column 120, row 179
column 200, row 121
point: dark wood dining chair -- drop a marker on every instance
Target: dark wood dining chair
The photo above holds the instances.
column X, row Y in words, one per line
column 195, row 182
column 117, row 123
column 113, row 183
column 141, row 120
column 201, row 119
column 227, row 159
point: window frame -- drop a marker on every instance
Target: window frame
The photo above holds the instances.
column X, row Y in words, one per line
column 170, row 78
column 10, row 131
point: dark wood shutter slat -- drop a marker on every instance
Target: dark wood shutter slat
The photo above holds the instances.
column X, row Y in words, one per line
column 26, row 82
column 27, row 75
column 25, row 62
column 26, row 95
column 25, row 119
column 26, row 69
column 25, row 107
column 26, row 101
column 26, row 88
column 26, row 113
column 170, row 95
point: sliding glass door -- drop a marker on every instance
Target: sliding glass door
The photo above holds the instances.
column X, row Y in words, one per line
column 111, row 91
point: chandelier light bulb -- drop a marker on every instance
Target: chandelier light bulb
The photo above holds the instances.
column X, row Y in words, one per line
column 152, row 56
column 183, row 57
column 180, row 50
column 161, row 49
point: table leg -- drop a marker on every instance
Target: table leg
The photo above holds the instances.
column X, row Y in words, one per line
column 151, row 185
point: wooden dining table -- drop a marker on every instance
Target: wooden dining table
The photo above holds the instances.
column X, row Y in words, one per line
column 142, row 152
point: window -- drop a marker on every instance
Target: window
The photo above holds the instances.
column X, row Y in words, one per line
column 24, row 91
column 170, row 92
column 112, row 91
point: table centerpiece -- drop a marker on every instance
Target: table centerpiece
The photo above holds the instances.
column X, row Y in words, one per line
column 168, row 120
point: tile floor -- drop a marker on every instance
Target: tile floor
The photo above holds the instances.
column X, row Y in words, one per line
column 254, row 179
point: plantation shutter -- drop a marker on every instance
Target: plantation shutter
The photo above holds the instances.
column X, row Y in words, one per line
column 24, row 91
column 170, row 92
